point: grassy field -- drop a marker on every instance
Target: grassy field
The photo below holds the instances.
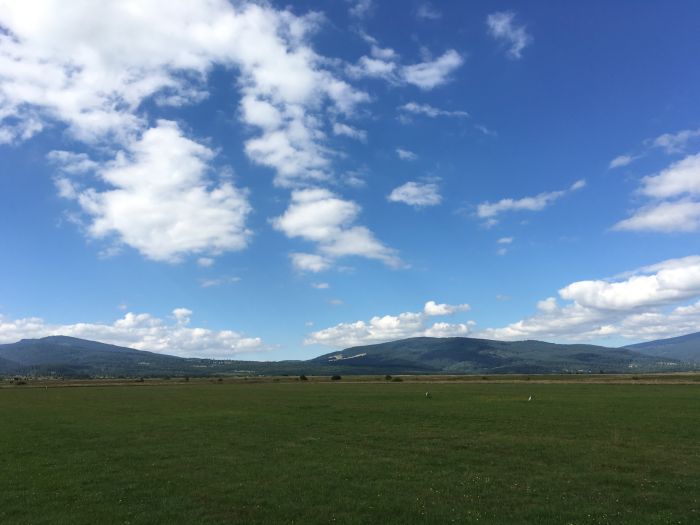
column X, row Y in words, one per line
column 307, row 452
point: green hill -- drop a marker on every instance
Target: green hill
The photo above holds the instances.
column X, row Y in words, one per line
column 467, row 355
column 684, row 348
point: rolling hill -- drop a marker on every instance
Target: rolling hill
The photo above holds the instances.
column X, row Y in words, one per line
column 684, row 348
column 68, row 356
column 459, row 355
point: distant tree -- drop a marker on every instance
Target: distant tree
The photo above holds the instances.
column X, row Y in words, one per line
column 302, row 377
column 387, row 377
column 336, row 378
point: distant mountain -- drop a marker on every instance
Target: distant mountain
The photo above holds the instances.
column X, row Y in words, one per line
column 69, row 356
column 72, row 356
column 684, row 348
column 466, row 355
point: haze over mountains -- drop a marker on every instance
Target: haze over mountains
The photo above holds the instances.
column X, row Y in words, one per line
column 68, row 356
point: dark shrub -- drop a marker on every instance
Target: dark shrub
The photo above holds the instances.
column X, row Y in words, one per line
column 336, row 378
column 302, row 377
column 398, row 379
column 387, row 377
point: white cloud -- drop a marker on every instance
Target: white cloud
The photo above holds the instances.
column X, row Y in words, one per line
column 142, row 332
column 505, row 240
column 426, row 11
column 666, row 217
column 431, row 111
column 491, row 210
column 405, row 154
column 501, row 26
column 392, row 327
column 361, row 8
column 416, row 194
column 205, row 262
column 646, row 303
column 426, row 75
column 430, row 74
column 92, row 65
column 161, row 199
column 219, row 281
column 622, row 160
column 349, row 131
column 310, row 262
column 320, row 286
column 675, row 142
column 319, row 216
column 680, row 179
column 432, row 308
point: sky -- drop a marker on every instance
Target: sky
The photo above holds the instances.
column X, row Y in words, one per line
column 260, row 180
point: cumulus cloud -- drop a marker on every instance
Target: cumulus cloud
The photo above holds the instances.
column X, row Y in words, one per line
column 505, row 240
column 405, row 154
column 644, row 304
column 491, row 210
column 161, row 200
column 319, row 216
column 392, row 327
column 417, row 194
column 679, row 181
column 143, row 332
column 432, row 308
column 431, row 111
column 361, row 8
column 501, row 26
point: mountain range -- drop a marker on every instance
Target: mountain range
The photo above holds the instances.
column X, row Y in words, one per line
column 73, row 357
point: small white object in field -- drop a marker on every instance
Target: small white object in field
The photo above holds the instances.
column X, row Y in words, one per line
column 428, row 395
column 529, row 398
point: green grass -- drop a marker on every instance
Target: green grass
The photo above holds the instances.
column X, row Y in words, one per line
column 351, row 453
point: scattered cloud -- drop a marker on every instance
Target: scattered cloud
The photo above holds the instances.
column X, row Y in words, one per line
column 335, row 302
column 426, row 75
column 143, row 332
column 426, row 11
column 349, row 131
column 622, row 160
column 501, row 26
column 675, row 142
column 205, row 262
column 679, row 181
column 505, row 240
column 320, row 286
column 393, row 327
column 361, row 8
column 430, row 74
column 417, row 194
column 219, row 281
column 491, row 210
column 666, row 217
column 430, row 111
column 405, row 154
column 319, row 216
column 647, row 303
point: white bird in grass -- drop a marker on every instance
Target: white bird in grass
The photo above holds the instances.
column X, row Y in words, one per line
column 428, row 395
column 529, row 398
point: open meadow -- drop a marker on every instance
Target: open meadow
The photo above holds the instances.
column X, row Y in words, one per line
column 341, row 452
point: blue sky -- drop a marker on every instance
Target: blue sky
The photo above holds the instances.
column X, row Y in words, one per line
column 259, row 181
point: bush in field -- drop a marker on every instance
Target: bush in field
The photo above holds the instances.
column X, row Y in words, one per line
column 387, row 377
column 397, row 379
column 302, row 377
column 336, row 378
